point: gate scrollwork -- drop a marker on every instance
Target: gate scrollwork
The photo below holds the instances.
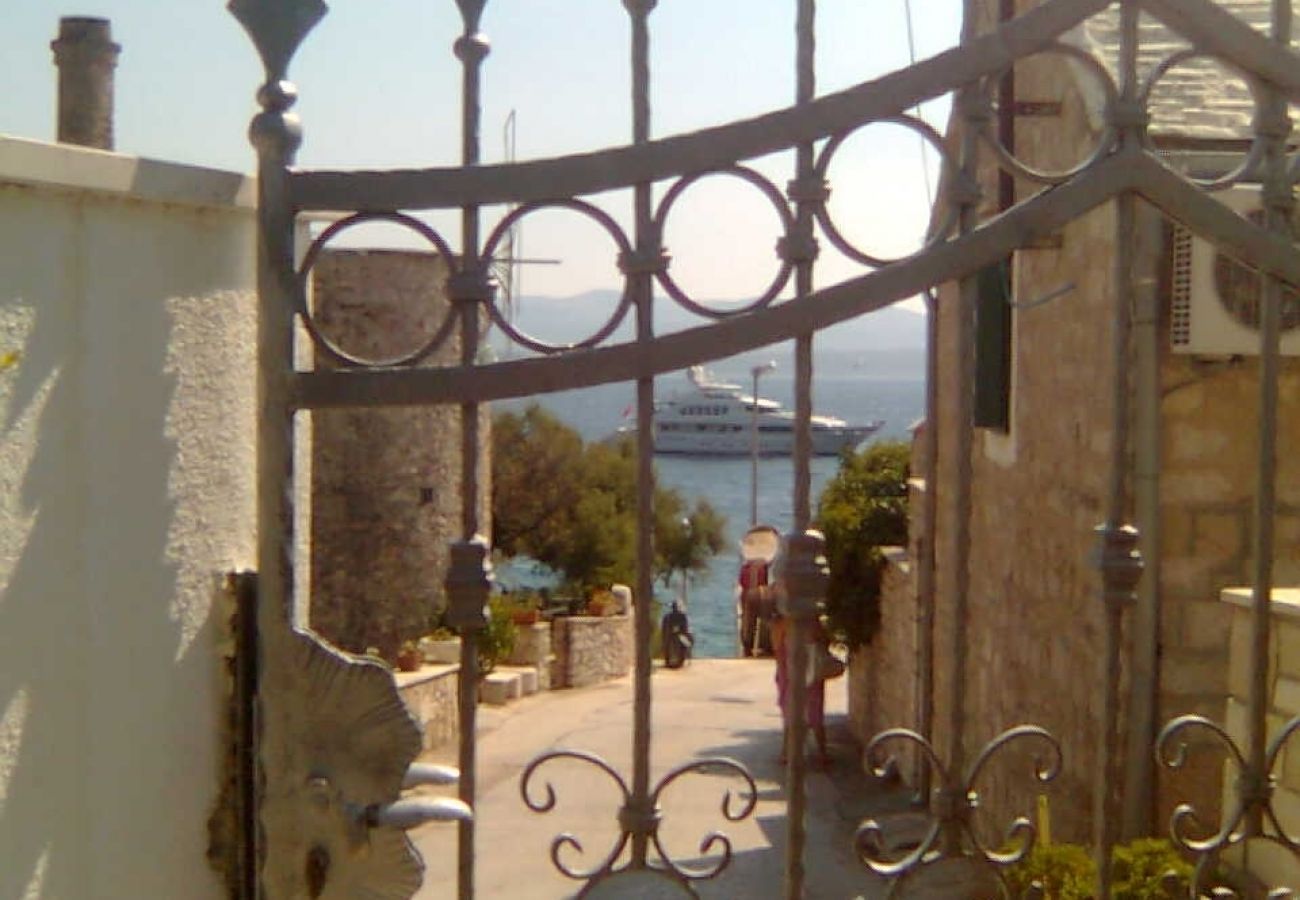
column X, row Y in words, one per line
column 633, row 819
column 950, row 834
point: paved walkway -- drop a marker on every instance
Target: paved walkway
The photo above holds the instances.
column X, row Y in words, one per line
column 711, row 708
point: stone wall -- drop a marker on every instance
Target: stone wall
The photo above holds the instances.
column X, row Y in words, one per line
column 128, row 330
column 590, row 649
column 1035, row 621
column 533, row 648
column 1208, row 466
column 431, row 696
column 883, row 674
column 385, row 482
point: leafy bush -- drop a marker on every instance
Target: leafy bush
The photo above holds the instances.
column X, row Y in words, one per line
column 1065, row 872
column 1068, row 872
column 1139, row 869
column 863, row 508
column 497, row 641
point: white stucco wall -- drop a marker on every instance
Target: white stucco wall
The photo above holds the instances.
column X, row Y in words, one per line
column 126, row 490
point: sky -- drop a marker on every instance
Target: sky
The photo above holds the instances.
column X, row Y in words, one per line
column 379, row 87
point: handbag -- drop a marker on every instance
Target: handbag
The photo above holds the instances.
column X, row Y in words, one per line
column 826, row 665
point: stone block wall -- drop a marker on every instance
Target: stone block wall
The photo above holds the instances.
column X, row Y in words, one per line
column 533, row 648
column 1208, row 474
column 385, row 482
column 883, row 674
column 1034, row 622
column 590, row 649
column 1275, row 866
column 431, row 697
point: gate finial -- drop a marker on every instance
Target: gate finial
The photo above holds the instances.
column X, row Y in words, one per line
column 471, row 11
column 277, row 28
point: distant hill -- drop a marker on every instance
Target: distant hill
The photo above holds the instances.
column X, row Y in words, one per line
column 888, row 343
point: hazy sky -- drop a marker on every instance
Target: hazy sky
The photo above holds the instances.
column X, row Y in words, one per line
column 379, row 87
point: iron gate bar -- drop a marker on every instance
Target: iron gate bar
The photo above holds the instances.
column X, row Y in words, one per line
column 276, row 135
column 808, row 191
column 467, row 288
column 589, row 173
column 640, row 814
column 1117, row 557
column 1272, row 127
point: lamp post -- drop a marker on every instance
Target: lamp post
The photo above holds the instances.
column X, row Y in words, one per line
column 753, row 440
column 688, row 527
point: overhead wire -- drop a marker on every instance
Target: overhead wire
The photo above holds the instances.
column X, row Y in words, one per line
column 925, row 156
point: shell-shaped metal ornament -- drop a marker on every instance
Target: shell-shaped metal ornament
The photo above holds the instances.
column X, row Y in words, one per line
column 277, row 28
column 337, row 743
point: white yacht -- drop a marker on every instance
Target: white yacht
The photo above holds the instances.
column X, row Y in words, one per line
column 716, row 418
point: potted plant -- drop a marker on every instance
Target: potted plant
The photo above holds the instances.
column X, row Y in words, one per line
column 525, row 610
column 409, row 658
column 602, row 603
column 441, row 646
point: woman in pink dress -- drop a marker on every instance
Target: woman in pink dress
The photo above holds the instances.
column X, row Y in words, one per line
column 815, row 698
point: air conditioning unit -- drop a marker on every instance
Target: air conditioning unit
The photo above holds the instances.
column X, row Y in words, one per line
column 1215, row 306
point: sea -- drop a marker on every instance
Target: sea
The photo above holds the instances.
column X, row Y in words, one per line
column 725, row 482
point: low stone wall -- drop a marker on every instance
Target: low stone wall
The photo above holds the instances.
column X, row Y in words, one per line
column 590, row 649
column 431, row 696
column 1273, row 865
column 882, row 674
column 533, row 648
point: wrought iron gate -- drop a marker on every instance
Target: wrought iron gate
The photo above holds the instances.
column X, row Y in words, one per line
column 326, row 800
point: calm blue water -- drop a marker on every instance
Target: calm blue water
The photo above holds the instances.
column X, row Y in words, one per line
column 597, row 412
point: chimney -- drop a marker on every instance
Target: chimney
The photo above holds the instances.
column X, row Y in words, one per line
column 86, row 56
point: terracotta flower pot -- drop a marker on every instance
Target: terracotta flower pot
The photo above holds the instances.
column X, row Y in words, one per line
column 409, row 659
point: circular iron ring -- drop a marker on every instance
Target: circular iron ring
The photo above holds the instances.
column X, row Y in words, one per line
column 1252, row 158
column 770, row 191
column 1009, row 162
column 611, row 227
column 323, row 343
column 822, row 169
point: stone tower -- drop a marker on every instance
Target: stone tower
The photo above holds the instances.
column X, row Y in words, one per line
column 385, row 482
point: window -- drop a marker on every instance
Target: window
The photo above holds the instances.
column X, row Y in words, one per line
column 993, row 347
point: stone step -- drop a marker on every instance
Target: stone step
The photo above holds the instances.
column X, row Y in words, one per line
column 500, row 687
column 528, row 678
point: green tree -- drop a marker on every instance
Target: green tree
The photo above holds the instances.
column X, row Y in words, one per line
column 572, row 505
column 863, row 508
column 686, row 543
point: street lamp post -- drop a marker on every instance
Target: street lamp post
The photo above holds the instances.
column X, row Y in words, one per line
column 688, row 526
column 753, row 440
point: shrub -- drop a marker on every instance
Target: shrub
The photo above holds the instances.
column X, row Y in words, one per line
column 497, row 641
column 1068, row 872
column 863, row 508
column 1065, row 872
column 1139, row 869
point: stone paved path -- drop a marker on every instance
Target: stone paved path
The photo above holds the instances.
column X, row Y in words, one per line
column 711, row 708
